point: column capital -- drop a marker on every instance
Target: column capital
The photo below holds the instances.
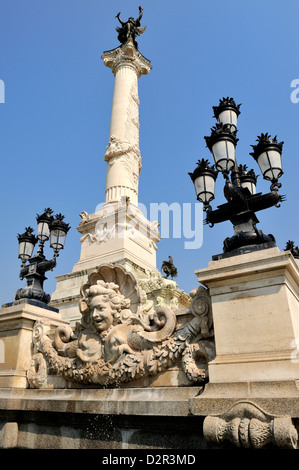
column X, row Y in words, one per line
column 127, row 56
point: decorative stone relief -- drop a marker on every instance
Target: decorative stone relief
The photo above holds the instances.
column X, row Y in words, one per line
column 247, row 425
column 101, row 235
column 165, row 292
column 122, row 337
column 124, row 167
column 85, row 217
column 117, row 148
column 123, row 220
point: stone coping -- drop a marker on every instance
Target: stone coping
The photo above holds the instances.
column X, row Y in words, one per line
column 160, row 401
column 36, row 303
column 277, row 398
column 271, row 260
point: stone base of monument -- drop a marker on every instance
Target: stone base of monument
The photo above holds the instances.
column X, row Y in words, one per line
column 63, row 415
column 180, row 387
column 54, row 393
column 244, row 415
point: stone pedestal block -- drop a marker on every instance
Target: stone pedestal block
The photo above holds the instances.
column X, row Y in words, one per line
column 256, row 316
column 16, row 325
column 117, row 233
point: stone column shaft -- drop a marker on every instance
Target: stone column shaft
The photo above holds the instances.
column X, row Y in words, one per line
column 125, row 105
column 123, row 154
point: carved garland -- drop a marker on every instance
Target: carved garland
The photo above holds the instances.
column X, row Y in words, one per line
column 128, row 368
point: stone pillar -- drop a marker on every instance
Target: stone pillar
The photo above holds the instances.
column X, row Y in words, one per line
column 123, row 154
column 255, row 303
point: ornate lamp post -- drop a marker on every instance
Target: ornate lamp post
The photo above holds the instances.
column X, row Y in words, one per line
column 48, row 227
column 240, row 184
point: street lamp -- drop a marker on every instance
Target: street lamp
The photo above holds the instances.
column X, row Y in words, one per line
column 48, row 227
column 44, row 223
column 240, row 184
column 27, row 242
column 222, row 143
column 248, row 179
column 58, row 233
column 204, row 177
column 227, row 112
column 267, row 153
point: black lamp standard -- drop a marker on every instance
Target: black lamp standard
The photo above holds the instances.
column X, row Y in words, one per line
column 240, row 185
column 48, row 227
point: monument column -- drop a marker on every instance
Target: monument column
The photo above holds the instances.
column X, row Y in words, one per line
column 118, row 231
column 123, row 154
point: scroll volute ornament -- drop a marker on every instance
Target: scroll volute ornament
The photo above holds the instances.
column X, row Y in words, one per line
column 246, row 425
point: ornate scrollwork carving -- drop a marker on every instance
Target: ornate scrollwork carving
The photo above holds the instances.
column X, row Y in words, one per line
column 37, row 372
column 121, row 337
column 246, row 425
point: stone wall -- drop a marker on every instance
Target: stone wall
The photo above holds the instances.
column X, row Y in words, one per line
column 45, row 430
column 100, row 419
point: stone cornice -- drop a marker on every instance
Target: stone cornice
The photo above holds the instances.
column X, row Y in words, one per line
column 127, row 56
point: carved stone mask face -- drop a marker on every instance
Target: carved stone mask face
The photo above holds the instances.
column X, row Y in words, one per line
column 101, row 312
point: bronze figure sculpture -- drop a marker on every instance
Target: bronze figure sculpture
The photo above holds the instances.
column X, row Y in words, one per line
column 129, row 29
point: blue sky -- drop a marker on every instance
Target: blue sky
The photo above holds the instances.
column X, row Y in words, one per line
column 54, row 124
